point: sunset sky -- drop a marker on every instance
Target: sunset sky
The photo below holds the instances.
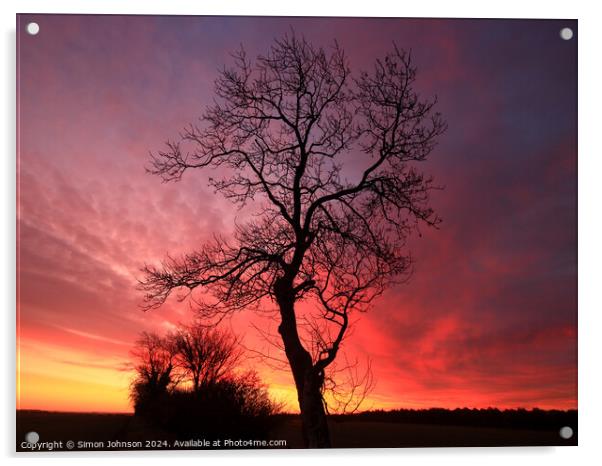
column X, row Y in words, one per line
column 489, row 317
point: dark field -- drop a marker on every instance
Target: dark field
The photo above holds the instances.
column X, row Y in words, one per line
column 369, row 430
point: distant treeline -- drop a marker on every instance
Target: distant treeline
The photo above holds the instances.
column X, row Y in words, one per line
column 535, row 419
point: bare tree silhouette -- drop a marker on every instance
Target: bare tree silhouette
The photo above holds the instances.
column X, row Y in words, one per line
column 331, row 162
column 205, row 354
column 154, row 362
column 188, row 382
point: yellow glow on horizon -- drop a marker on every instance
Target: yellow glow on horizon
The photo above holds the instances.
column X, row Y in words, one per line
column 62, row 379
column 49, row 393
column 285, row 395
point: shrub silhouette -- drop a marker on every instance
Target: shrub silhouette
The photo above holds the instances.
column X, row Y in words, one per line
column 229, row 408
column 168, row 392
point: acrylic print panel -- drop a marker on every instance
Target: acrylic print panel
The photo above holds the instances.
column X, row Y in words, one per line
column 253, row 232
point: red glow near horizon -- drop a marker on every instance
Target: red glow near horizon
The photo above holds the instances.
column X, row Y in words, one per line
column 489, row 315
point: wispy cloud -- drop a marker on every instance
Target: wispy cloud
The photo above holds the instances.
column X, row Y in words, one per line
column 94, row 336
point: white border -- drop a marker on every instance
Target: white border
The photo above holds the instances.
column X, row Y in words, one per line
column 590, row 225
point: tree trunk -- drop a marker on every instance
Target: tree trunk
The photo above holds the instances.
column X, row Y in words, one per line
column 195, row 382
column 308, row 381
column 313, row 415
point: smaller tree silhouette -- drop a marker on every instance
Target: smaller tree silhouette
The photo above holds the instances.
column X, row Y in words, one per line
column 205, row 355
column 154, row 358
column 187, row 382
